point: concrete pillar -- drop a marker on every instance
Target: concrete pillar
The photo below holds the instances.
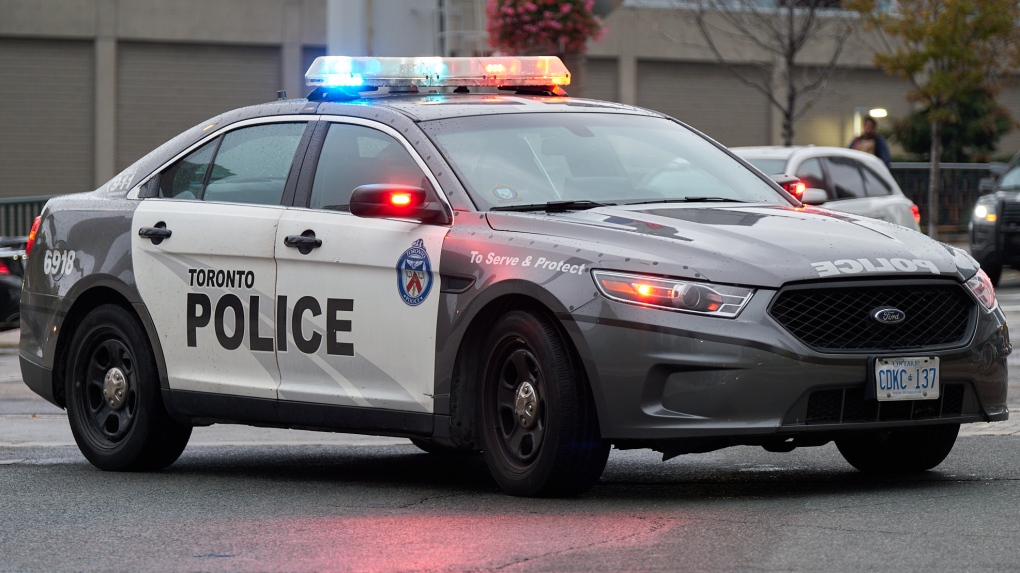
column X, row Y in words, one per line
column 105, row 129
column 348, row 31
column 627, row 79
column 293, row 80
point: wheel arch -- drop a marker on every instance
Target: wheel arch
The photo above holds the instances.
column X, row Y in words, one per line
column 469, row 362
column 85, row 296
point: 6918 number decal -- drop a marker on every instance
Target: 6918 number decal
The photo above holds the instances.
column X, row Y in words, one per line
column 58, row 262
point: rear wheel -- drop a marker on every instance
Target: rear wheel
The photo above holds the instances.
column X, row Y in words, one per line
column 900, row 451
column 114, row 403
column 540, row 430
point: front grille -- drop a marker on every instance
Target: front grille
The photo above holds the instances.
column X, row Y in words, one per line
column 840, row 318
column 1010, row 212
column 847, row 406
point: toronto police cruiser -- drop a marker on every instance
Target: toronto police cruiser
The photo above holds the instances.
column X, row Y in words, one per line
column 454, row 251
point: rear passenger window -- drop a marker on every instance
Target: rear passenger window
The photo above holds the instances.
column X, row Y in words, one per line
column 354, row 155
column 252, row 164
column 248, row 165
column 810, row 172
column 874, row 184
column 186, row 178
column 846, row 178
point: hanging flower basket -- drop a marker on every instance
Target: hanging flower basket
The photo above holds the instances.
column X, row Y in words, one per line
column 541, row 27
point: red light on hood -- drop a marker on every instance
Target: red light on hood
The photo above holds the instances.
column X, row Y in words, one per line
column 400, row 199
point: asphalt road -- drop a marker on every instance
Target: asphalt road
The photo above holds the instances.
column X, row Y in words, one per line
column 249, row 499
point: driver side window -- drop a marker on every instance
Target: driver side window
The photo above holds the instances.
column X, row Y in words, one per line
column 355, row 155
column 1011, row 180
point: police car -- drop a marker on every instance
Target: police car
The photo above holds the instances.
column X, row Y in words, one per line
column 411, row 252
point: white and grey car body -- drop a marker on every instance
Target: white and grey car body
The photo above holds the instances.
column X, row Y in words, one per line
column 247, row 329
column 853, row 181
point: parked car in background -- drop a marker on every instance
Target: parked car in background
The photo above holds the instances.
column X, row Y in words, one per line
column 12, row 267
column 852, row 181
column 995, row 222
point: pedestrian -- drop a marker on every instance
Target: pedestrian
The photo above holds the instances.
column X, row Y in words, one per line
column 871, row 142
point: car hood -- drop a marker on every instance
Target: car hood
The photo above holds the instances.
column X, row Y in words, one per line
column 753, row 245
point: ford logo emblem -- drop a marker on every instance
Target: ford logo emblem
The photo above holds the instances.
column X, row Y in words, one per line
column 888, row 315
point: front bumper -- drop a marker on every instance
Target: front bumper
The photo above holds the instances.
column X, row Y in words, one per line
column 661, row 375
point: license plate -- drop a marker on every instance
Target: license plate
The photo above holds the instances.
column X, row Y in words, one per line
column 907, row 378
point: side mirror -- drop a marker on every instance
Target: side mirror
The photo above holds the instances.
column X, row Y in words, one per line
column 814, row 196
column 392, row 201
column 792, row 185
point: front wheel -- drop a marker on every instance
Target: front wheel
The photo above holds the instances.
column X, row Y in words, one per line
column 114, row 404
column 540, row 429
column 901, row 450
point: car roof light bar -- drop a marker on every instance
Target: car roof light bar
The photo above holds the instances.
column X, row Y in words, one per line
column 367, row 72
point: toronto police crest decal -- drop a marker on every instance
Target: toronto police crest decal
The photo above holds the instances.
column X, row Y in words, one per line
column 414, row 274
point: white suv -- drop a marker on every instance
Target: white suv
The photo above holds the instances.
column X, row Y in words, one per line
column 852, row 181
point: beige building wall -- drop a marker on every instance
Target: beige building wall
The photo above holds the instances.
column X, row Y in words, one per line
column 194, row 83
column 89, row 86
column 664, row 42
column 707, row 97
column 46, row 116
column 830, row 119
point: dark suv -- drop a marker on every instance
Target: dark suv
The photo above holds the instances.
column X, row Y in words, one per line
column 995, row 223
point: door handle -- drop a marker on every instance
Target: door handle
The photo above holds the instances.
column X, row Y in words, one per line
column 304, row 242
column 156, row 234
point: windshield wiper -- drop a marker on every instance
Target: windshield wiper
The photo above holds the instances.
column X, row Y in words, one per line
column 552, row 206
column 690, row 200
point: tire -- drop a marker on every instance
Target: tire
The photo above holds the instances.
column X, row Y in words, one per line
column 899, row 451
column 557, row 449
column 128, row 430
column 431, row 447
column 994, row 272
column 992, row 267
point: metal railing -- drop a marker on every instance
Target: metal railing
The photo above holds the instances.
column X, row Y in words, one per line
column 958, row 194
column 18, row 213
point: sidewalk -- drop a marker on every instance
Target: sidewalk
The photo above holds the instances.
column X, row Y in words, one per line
column 9, row 338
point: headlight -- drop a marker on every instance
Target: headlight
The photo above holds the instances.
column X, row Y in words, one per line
column 985, row 213
column 982, row 288
column 673, row 294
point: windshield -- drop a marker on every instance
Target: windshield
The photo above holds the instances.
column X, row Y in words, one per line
column 523, row 159
column 1011, row 180
column 768, row 166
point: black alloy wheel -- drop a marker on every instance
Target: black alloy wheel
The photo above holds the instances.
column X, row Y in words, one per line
column 540, row 429
column 114, row 403
column 106, row 389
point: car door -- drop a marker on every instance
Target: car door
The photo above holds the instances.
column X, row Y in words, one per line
column 361, row 306
column 204, row 258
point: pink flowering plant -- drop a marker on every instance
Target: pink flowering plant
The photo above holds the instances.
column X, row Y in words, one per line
column 537, row 27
